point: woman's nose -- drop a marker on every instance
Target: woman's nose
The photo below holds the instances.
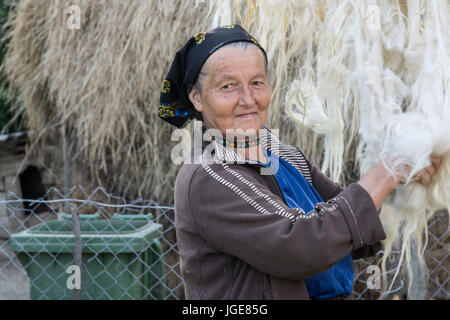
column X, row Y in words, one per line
column 246, row 96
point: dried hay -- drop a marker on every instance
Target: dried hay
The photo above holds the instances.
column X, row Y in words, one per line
column 103, row 81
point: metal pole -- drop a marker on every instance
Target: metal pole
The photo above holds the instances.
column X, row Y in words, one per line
column 75, row 217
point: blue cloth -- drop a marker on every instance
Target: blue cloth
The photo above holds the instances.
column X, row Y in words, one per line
column 299, row 193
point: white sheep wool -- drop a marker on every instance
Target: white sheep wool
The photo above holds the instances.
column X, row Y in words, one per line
column 378, row 68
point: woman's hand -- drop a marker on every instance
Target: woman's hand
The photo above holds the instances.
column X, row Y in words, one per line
column 425, row 175
column 379, row 183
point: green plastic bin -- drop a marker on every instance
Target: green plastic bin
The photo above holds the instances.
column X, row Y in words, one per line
column 121, row 258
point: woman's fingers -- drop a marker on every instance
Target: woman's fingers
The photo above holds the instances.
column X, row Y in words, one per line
column 426, row 179
column 422, row 177
column 425, row 175
column 436, row 162
column 430, row 170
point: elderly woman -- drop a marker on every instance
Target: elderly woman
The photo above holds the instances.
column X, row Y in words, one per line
column 254, row 218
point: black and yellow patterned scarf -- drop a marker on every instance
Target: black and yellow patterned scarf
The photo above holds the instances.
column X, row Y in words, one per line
column 175, row 106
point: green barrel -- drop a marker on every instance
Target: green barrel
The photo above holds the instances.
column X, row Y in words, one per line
column 121, row 258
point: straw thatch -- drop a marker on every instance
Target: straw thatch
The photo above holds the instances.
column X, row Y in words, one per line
column 102, row 82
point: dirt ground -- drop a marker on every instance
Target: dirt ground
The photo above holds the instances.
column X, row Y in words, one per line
column 14, row 284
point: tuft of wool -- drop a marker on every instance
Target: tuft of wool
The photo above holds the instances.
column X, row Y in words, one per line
column 305, row 107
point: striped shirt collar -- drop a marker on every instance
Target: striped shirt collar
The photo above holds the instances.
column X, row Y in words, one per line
column 222, row 154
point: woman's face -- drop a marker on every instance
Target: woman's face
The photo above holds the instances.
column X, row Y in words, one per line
column 235, row 92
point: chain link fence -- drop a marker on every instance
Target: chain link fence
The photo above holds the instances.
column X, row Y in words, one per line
column 129, row 250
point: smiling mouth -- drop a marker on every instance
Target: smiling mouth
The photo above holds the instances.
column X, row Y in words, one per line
column 247, row 115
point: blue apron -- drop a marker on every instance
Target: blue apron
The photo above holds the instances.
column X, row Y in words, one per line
column 299, row 193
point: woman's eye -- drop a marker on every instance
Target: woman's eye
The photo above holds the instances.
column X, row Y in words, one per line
column 257, row 83
column 227, row 86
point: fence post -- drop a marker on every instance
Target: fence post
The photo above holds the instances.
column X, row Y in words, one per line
column 75, row 217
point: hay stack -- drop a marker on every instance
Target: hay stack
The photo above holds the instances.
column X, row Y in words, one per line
column 98, row 89
column 103, row 82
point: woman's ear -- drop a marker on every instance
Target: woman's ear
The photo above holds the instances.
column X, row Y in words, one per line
column 195, row 98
